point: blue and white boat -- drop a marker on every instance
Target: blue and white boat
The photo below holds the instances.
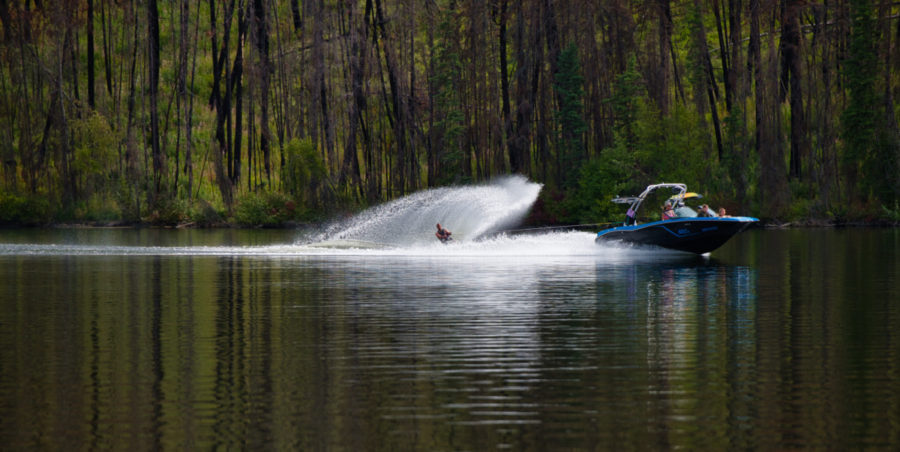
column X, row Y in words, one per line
column 686, row 230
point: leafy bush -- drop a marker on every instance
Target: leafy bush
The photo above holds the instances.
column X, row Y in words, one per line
column 96, row 208
column 24, row 209
column 95, row 153
column 168, row 211
column 304, row 171
column 265, row 209
column 204, row 214
column 600, row 180
column 893, row 215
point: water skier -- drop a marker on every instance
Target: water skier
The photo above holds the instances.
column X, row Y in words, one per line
column 442, row 234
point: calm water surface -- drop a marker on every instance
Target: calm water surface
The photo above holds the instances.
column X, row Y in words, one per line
column 148, row 339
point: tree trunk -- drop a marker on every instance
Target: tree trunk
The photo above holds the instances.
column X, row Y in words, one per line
column 295, row 16
column 738, row 82
column 90, row 53
column 222, row 104
column 773, row 182
column 356, row 56
column 514, row 159
column 153, row 64
column 188, row 116
column 320, row 84
column 724, row 55
column 403, row 161
column 262, row 45
column 792, row 78
column 236, row 86
column 106, row 25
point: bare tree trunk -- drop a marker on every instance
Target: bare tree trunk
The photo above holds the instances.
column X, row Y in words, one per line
column 723, row 52
column 707, row 82
column 221, row 103
column 514, row 157
column 236, row 85
column 356, row 56
column 295, row 16
column 188, row 116
column 403, row 160
column 773, row 182
column 153, row 63
column 659, row 88
column 739, row 84
column 527, row 70
column 106, row 25
column 792, row 78
column 6, row 21
column 262, row 43
column 90, row 53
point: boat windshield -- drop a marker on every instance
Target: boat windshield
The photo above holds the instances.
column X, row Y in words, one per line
column 685, row 212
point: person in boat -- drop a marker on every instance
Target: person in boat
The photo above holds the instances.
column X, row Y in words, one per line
column 668, row 213
column 705, row 211
column 722, row 212
column 442, row 234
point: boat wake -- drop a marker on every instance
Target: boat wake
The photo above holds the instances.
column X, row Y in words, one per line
column 521, row 249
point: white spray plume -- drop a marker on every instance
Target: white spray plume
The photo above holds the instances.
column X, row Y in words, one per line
column 469, row 212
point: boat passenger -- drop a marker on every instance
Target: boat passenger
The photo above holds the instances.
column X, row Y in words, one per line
column 668, row 213
column 722, row 212
column 705, row 211
column 442, row 234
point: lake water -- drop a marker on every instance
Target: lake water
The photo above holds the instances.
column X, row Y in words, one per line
column 149, row 339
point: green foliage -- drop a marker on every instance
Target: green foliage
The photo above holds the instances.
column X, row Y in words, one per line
column 693, row 33
column 129, row 199
column 570, row 118
column 740, row 167
column 860, row 117
column 265, row 209
column 203, row 213
column 76, row 157
column 96, row 153
column 871, row 144
column 892, row 214
column 671, row 148
column 882, row 168
column 803, row 198
column 600, row 180
column 668, row 149
column 627, row 93
column 168, row 211
column 304, row 172
column 449, row 124
column 96, row 209
column 24, row 209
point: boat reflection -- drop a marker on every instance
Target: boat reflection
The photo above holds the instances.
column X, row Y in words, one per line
column 697, row 321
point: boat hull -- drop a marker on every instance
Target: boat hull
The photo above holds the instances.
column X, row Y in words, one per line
column 694, row 235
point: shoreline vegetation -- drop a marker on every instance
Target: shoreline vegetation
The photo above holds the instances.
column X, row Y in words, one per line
column 283, row 112
column 296, row 224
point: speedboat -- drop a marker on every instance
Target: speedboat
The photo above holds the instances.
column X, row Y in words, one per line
column 684, row 231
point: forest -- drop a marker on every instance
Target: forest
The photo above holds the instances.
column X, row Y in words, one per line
column 266, row 112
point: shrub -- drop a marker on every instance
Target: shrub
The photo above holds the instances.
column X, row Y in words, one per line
column 304, row 170
column 265, row 209
column 27, row 209
column 95, row 153
column 204, row 214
